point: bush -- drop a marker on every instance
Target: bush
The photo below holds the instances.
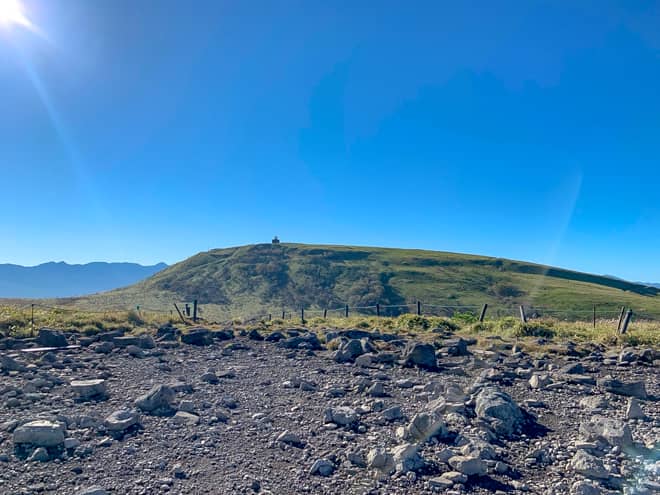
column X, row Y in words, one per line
column 533, row 330
column 465, row 317
column 134, row 318
column 413, row 322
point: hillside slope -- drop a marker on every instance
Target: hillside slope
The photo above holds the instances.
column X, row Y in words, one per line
column 254, row 279
column 65, row 280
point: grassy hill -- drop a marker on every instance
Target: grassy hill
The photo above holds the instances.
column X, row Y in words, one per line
column 257, row 279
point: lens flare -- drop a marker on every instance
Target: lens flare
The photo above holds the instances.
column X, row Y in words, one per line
column 13, row 13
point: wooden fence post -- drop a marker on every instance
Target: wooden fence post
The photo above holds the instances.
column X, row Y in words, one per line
column 626, row 321
column 180, row 314
column 325, row 313
column 523, row 317
column 377, row 309
column 623, row 312
column 419, row 308
column 32, row 321
column 594, row 316
column 347, row 311
column 195, row 311
column 483, row 312
column 270, row 316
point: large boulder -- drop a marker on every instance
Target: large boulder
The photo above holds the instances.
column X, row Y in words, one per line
column 197, row 336
column 49, row 337
column 40, row 433
column 610, row 430
column 469, row 466
column 420, row 355
column 158, row 401
column 499, row 410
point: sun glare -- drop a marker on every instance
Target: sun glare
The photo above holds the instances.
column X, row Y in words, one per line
column 12, row 13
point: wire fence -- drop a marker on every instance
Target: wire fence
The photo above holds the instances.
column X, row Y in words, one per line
column 35, row 315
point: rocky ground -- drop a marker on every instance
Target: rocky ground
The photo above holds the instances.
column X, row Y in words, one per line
column 353, row 413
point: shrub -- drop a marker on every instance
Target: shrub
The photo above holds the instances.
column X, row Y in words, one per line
column 413, row 322
column 134, row 318
column 465, row 317
column 533, row 330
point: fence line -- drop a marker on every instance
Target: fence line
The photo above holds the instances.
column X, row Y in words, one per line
column 472, row 312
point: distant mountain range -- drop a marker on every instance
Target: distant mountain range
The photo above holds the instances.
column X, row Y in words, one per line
column 50, row 280
column 648, row 284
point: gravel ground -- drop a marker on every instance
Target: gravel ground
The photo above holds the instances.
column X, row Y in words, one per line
column 216, row 424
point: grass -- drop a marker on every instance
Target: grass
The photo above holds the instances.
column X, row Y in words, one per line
column 16, row 321
column 253, row 280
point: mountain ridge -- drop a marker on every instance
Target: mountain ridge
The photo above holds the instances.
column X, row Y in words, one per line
column 58, row 279
column 251, row 279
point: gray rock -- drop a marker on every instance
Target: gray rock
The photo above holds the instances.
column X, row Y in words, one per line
column 469, row 466
column 348, row 351
column 92, row 490
column 7, row 363
column 379, row 458
column 157, row 401
column 406, row 458
column 40, row 454
column 49, row 337
column 322, row 467
column 90, row 389
column 40, row 433
column 499, row 410
column 540, row 380
column 589, row 466
column 289, row 438
column 585, row 488
column 420, row 355
column 610, row 430
column 121, row 420
column 630, row 389
column 593, row 402
column 197, row 336
column 135, row 351
column 377, row 390
column 423, row 427
column 186, row 418
column 342, row 416
column 634, row 410
column 105, row 347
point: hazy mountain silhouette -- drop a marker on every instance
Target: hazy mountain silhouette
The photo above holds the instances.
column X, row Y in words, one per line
column 64, row 280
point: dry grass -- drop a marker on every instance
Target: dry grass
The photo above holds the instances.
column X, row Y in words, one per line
column 16, row 321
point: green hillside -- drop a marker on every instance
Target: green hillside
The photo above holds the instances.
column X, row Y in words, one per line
column 256, row 279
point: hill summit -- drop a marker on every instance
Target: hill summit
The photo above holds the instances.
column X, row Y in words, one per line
column 260, row 278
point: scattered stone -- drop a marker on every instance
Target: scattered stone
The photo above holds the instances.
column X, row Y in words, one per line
column 51, row 338
column 499, row 410
column 634, row 410
column 610, row 430
column 90, row 389
column 420, row 355
column 92, row 490
column 197, row 336
column 342, row 416
column 121, row 420
column 186, row 418
column 289, row 438
column 322, row 467
column 589, row 465
column 40, row 433
column 469, row 466
column 158, row 401
column 631, row 389
column 8, row 363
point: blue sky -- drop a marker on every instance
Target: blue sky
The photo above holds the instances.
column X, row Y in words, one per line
column 149, row 130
